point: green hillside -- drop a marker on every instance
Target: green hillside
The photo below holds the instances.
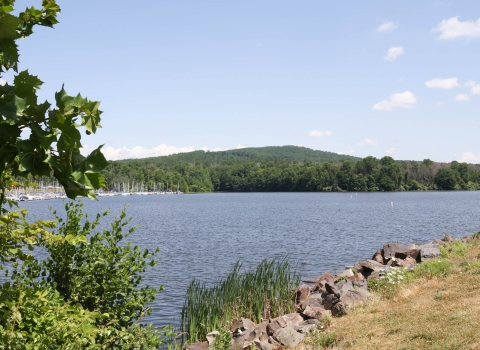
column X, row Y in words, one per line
column 255, row 154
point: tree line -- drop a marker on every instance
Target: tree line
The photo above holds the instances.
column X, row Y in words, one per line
column 368, row 174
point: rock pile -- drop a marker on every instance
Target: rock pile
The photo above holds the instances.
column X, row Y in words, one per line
column 327, row 296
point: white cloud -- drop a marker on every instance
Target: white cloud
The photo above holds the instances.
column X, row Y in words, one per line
column 348, row 153
column 400, row 100
column 240, row 146
column 470, row 83
column 2, row 81
column 393, row 53
column 476, row 89
column 368, row 142
column 470, row 157
column 448, row 83
column 391, row 150
column 462, row 97
column 452, row 28
column 386, row 26
column 321, row 134
column 138, row 151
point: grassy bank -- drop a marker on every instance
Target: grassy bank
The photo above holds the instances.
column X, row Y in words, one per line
column 435, row 307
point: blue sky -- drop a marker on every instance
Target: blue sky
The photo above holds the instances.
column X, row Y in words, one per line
column 377, row 78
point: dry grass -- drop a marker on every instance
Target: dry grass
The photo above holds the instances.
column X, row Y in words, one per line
column 428, row 312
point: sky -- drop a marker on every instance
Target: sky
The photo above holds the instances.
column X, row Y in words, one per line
column 397, row 78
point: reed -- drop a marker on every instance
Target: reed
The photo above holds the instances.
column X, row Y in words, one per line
column 259, row 294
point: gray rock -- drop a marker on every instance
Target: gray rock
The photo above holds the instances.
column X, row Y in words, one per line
column 315, row 312
column 273, row 341
column 242, row 324
column 353, row 297
column 369, row 264
column 339, row 309
column 266, row 346
column 307, row 328
column 346, row 273
column 390, row 249
column 275, row 324
column 288, row 336
column 311, row 302
column 378, row 256
column 311, row 321
column 329, row 301
column 316, row 296
column 429, row 253
column 302, row 293
column 330, row 287
column 294, row 318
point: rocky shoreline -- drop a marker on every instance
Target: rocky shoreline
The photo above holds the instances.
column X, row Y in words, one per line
column 326, row 296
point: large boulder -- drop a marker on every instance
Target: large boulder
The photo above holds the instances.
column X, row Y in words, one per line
column 353, row 297
column 346, row 273
column 390, row 249
column 288, row 336
column 378, row 256
column 429, row 253
column 312, row 302
column 339, row 309
column 330, row 287
column 319, row 287
column 315, row 312
column 294, row 318
column 327, row 276
column 275, row 325
column 302, row 293
column 412, row 253
column 369, row 267
column 242, row 324
column 306, row 328
column 330, row 300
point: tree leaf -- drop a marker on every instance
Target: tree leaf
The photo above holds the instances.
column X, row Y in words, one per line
column 8, row 26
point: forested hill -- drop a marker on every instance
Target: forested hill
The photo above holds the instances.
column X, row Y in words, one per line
column 254, row 154
column 287, row 168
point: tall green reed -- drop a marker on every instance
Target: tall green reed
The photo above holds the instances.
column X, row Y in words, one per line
column 266, row 292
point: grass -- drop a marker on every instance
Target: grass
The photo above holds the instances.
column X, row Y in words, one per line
column 436, row 307
column 266, row 292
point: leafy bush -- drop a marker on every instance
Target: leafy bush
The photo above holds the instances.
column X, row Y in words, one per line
column 98, row 271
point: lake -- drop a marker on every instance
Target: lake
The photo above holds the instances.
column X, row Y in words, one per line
column 203, row 235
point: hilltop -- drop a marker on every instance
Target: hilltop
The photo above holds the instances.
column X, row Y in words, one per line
column 255, row 154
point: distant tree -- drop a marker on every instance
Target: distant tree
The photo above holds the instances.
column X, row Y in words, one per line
column 446, row 179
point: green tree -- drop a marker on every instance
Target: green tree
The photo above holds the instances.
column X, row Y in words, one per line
column 446, row 179
column 84, row 295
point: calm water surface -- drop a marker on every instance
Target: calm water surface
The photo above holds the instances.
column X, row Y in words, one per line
column 202, row 236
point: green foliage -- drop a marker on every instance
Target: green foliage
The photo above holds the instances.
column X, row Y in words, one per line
column 434, row 268
column 454, row 249
column 223, row 340
column 266, row 292
column 53, row 147
column 284, row 169
column 86, row 293
column 99, row 271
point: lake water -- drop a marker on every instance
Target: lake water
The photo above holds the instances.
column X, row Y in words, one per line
column 202, row 236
